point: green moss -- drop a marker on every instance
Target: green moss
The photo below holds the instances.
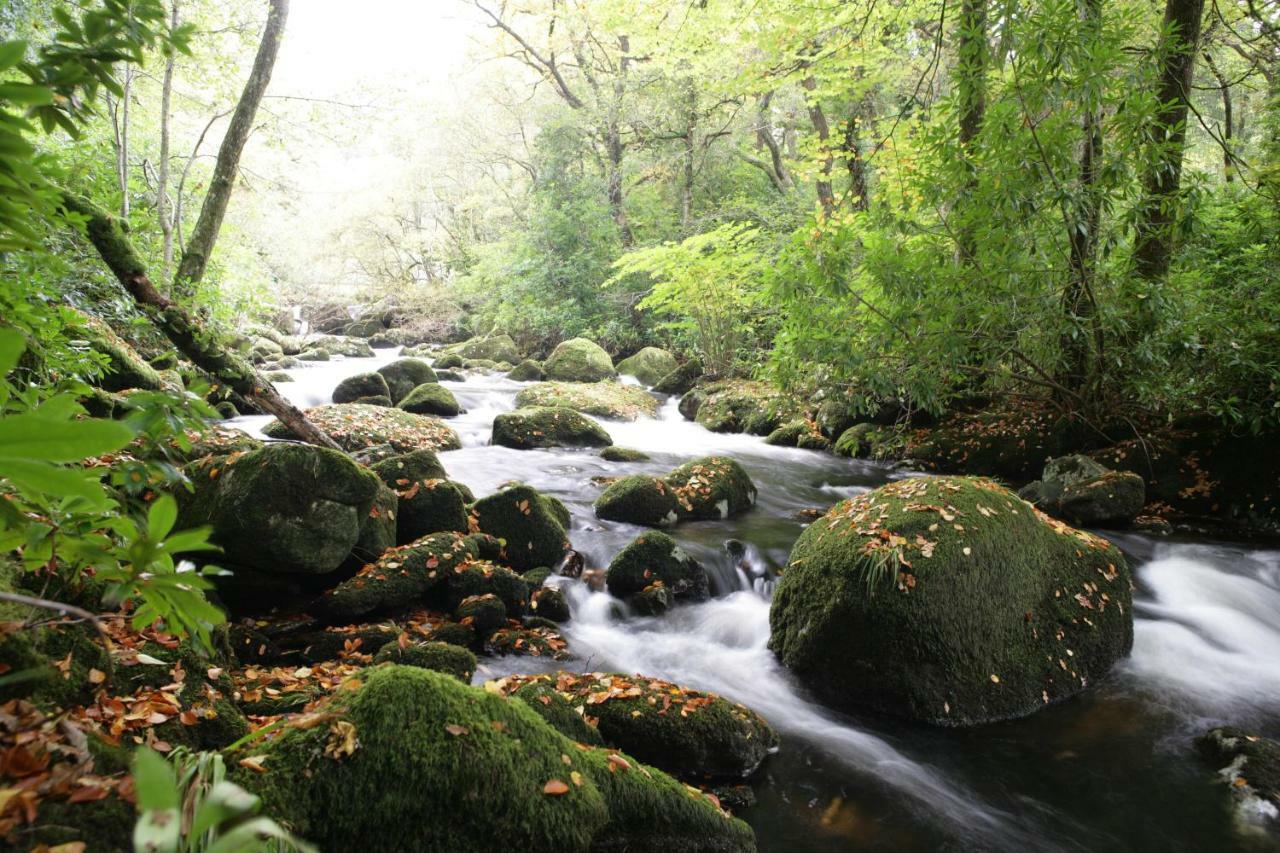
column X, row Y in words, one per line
column 602, row 399
column 427, row 502
column 743, row 406
column 713, row 487
column 855, row 441
column 638, row 499
column 405, row 374
column 488, row 547
column 549, row 603
column 378, row 530
column 474, row 578
column 623, row 454
column 533, row 535
column 351, row 389
column 104, row 825
column 834, row 416
column 331, row 643
column 436, row 656
column 649, row 365
column 579, row 360
column 536, row 577
column 125, row 367
column 653, row 557
column 547, row 702
column 485, row 613
column 800, row 432
column 535, row 640
column 402, row 470
column 448, row 360
column 453, row 633
column 951, row 601
column 547, row 426
column 1249, row 763
column 527, row 371
column 72, row 650
column 493, row 348
column 400, row 577
column 557, row 509
column 431, row 398
column 356, row 427
column 681, row 380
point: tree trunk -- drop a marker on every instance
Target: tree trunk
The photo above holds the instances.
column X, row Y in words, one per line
column 183, row 330
column 613, row 146
column 1175, row 53
column 971, row 95
column 196, row 257
column 162, row 178
column 854, row 164
column 124, row 140
column 776, row 168
column 1228, row 119
column 820, row 126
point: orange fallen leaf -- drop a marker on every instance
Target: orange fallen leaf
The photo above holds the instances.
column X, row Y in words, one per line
column 555, row 788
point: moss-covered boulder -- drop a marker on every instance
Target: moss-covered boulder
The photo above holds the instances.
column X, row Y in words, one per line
column 1082, row 491
column 527, row 371
column 356, row 427
column 856, row 441
column 1249, row 766
column 314, row 354
column 690, row 402
column 623, row 454
column 400, row 577
column 282, row 507
column 353, row 388
column 602, row 399
column 802, row 433
column 450, row 360
column 485, row 613
column 649, row 365
column 431, row 398
column 493, row 348
column 688, row 733
column 655, row 558
column 638, row 499
column 952, row 601
column 713, row 487
column 414, row 760
column 438, row 657
column 480, row 577
column 528, row 524
column 547, row 426
column 428, row 503
column 549, row 603
column 834, row 416
column 579, row 360
column 405, row 374
column 378, row 530
column 757, row 408
column 680, row 380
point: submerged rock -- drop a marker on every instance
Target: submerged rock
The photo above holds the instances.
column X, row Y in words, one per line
column 405, row 374
column 1081, row 491
column 431, row 398
column 356, row 427
column 655, row 558
column 529, row 523
column 1250, row 766
column 623, row 454
column 579, row 360
column 353, row 388
column 949, row 600
column 602, row 399
column 547, row 426
column 649, row 365
column 638, row 499
column 710, row 488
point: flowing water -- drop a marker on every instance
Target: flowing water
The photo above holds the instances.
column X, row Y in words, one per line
column 1112, row 770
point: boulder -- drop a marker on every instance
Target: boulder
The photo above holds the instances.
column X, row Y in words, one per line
column 834, row 416
column 494, row 348
column 655, row 558
column 638, row 499
column 757, row 408
column 623, row 454
column 711, row 488
column 477, row 578
column 527, row 522
column 378, row 530
column 438, row 657
column 1249, row 766
column 527, row 371
column 1082, row 491
column 549, row 603
column 351, row 389
column 602, row 399
column 579, row 360
column 415, row 760
column 547, row 426
column 428, row 503
column 681, row 380
column 802, row 433
column 649, row 365
column 431, row 398
column 343, row 346
column 448, row 360
column 378, row 400
column 690, row 403
column 288, row 508
column 314, row 354
column 400, row 577
column 357, row 426
column 951, row 601
column 856, row 441
column 484, row 613
column 405, row 374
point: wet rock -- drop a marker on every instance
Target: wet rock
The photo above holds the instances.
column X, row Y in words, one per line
column 352, row 388
column 653, row 600
column 654, row 557
column 713, row 487
column 680, row 380
column 1081, row 491
column 493, row 348
column 405, row 374
column 602, row 399
column 951, row 601
column 690, row 403
column 800, row 433
column 450, row 376
column 649, row 365
column 431, row 398
column 448, row 360
column 527, row 371
column 757, row 408
column 528, row 524
column 638, row 499
column 547, row 426
column 356, row 427
column 1249, row 766
column 579, row 360
column 549, row 603
column 400, row 577
column 485, row 613
column 623, row 454
column 439, row 657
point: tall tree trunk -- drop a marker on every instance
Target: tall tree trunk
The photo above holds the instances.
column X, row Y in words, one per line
column 162, row 178
column 820, row 126
column 184, row 330
column 196, row 256
column 1228, row 119
column 854, row 164
column 122, row 139
column 776, row 167
column 614, row 148
column 971, row 95
column 686, row 185
column 1175, row 53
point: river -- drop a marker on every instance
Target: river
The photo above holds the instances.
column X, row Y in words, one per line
column 1112, row 770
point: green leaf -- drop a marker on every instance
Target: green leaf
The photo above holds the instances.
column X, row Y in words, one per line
column 11, row 53
column 32, row 436
column 225, row 802
column 44, row 478
column 12, row 344
column 154, row 781
column 161, row 517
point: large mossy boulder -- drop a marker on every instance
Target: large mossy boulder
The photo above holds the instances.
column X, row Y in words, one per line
column 579, row 360
column 757, row 408
column 356, row 426
column 428, row 502
column 692, row 735
column 638, row 499
column 435, row 656
column 655, row 558
column 528, row 522
column 951, row 601
column 649, row 365
column 287, row 508
column 711, row 488
column 1082, row 491
column 361, row 385
column 400, row 577
column 405, row 374
column 602, row 399
column 414, row 760
column 431, row 398
column 802, row 433
column 680, row 380
column 547, row 426
column 527, row 371
column 495, row 348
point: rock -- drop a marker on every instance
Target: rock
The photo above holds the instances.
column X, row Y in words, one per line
column 549, row 603
column 351, row 389
column 338, row 345
column 638, row 499
column 484, row 613
column 281, row 508
column 431, row 398
column 453, row 633
column 405, row 374
column 711, row 488
column 315, row 354
column 428, row 503
column 579, row 360
column 547, row 426
column 415, row 760
column 623, row 454
column 655, row 558
column 1081, row 491
column 379, row 400
column 479, row 577
column 653, row 600
column 602, row 399
column 277, row 376
column 649, row 365
column 527, row 371
column 438, row 657
column 450, row 376
column 265, row 349
column 710, row 738
column 690, row 403
column 400, row 577
column 951, row 601
column 448, row 360
column 378, row 530
column 357, row 426
column 540, row 639
column 757, row 408
column 1250, row 768
column 494, row 348
column 802, row 433
column 680, row 380
column 528, row 523
column 834, row 416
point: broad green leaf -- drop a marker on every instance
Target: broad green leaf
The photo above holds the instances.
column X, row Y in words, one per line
column 154, row 781
column 161, row 516
column 12, row 344
column 11, row 53
column 31, row 436
column 44, row 478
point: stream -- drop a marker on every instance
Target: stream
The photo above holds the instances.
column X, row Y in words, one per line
column 1112, row 770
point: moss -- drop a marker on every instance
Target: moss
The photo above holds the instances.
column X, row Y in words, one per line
column 681, row 380
column 533, row 535
column 332, row 643
column 404, row 469
column 431, row 398
column 800, row 432
column 400, row 577
column 557, row 509
column 834, row 416
column 742, row 406
column 536, row 577
column 527, row 371
column 690, row 402
column 281, row 508
column 104, row 825
column 855, row 441
column 602, row 399
column 533, row 640
column 649, row 365
column 351, row 389
column 549, row 603
column 438, row 657
column 491, row 348
column 547, row 702
column 314, row 355
column 949, row 600
column 480, row 577
column 653, row 557
column 356, row 427
column 487, row 547
column 713, row 487
column 450, row 376
column 547, row 426
column 1248, row 763
column 448, row 360
column 125, row 367
column 427, row 502
column 453, row 633
column 227, row 410
column 579, row 360
column 654, row 600
column 28, row 669
column 72, row 650
column 638, row 499
column 623, row 454
column 485, row 613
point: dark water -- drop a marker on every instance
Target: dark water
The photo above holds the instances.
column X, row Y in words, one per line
column 1110, row 771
